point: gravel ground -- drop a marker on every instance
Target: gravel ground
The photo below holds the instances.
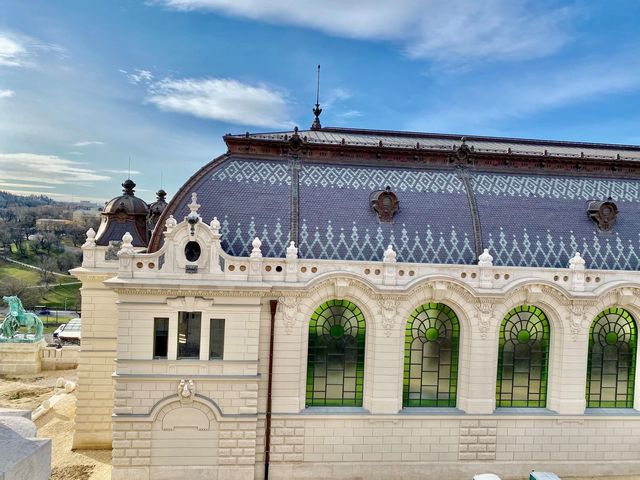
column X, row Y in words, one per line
column 27, row 392
column 58, row 425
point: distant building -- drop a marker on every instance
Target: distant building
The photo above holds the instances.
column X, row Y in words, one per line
column 80, row 215
column 51, row 223
column 341, row 303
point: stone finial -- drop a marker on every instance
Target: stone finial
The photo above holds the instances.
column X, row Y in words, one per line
column 292, row 251
column 215, row 226
column 389, row 255
column 170, row 223
column 127, row 245
column 91, row 239
column 194, row 205
column 485, row 259
column 576, row 262
column 256, row 253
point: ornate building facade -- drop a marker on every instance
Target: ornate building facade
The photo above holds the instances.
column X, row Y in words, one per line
column 342, row 303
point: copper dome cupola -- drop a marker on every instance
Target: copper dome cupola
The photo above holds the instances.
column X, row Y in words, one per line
column 126, row 213
column 155, row 210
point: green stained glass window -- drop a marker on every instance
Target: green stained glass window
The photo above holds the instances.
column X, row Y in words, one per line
column 431, row 357
column 335, row 365
column 612, row 360
column 522, row 358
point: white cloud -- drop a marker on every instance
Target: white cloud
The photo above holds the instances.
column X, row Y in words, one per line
column 221, row 99
column 18, row 50
column 86, row 143
column 7, row 93
column 12, row 52
column 138, row 76
column 123, row 171
column 23, row 185
column 531, row 92
column 446, row 30
column 349, row 114
column 48, row 169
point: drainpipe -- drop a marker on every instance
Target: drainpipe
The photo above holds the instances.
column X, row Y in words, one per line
column 267, row 429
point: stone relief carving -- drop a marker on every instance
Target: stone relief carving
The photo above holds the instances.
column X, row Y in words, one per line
column 485, row 314
column 578, row 312
column 389, row 312
column 186, row 391
column 289, row 312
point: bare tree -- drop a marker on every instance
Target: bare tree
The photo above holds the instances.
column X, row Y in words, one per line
column 30, row 294
column 47, row 266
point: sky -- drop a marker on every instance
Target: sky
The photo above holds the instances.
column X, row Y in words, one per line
column 94, row 91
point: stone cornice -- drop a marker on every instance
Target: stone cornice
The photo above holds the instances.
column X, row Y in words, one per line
column 203, row 293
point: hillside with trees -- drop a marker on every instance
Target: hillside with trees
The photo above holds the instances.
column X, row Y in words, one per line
column 39, row 244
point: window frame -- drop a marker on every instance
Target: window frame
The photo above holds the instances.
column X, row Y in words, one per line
column 420, row 327
column 542, row 330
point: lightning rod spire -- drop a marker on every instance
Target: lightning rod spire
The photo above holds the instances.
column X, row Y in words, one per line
column 317, row 111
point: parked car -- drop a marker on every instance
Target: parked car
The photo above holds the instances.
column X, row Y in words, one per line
column 69, row 332
column 44, row 311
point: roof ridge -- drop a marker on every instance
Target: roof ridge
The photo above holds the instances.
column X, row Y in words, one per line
column 445, row 136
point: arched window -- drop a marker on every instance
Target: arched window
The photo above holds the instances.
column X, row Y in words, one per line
column 522, row 358
column 612, row 360
column 335, row 366
column 431, row 357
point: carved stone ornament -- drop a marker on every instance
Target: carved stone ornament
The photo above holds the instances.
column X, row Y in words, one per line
column 289, row 308
column 389, row 312
column 485, row 259
column 462, row 154
column 127, row 246
column 485, row 312
column 603, row 213
column 186, row 391
column 578, row 312
column 295, row 143
column 385, row 204
column 91, row 239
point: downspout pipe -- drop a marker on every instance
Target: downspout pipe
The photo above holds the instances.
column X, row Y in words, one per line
column 267, row 429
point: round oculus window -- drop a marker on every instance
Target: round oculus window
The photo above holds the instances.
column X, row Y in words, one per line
column 192, row 251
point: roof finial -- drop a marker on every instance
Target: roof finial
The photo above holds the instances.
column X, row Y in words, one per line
column 317, row 111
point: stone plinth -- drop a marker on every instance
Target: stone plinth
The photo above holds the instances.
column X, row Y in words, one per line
column 22, row 455
column 17, row 358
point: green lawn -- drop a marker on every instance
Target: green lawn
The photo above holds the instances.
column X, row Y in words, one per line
column 61, row 296
column 16, row 271
column 50, row 321
column 58, row 296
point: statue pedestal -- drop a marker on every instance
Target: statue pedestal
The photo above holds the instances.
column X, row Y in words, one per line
column 17, row 358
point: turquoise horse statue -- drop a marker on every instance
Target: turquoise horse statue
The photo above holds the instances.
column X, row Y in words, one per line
column 18, row 317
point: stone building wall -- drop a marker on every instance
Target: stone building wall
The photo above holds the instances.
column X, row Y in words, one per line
column 96, row 362
column 219, row 405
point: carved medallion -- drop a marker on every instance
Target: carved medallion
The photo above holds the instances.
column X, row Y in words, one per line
column 603, row 213
column 385, row 204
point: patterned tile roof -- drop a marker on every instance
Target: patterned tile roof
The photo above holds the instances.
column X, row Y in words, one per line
column 526, row 219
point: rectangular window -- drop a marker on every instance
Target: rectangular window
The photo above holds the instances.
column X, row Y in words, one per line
column 160, row 337
column 189, row 335
column 216, row 338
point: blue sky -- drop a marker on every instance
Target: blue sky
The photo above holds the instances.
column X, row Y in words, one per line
column 86, row 85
